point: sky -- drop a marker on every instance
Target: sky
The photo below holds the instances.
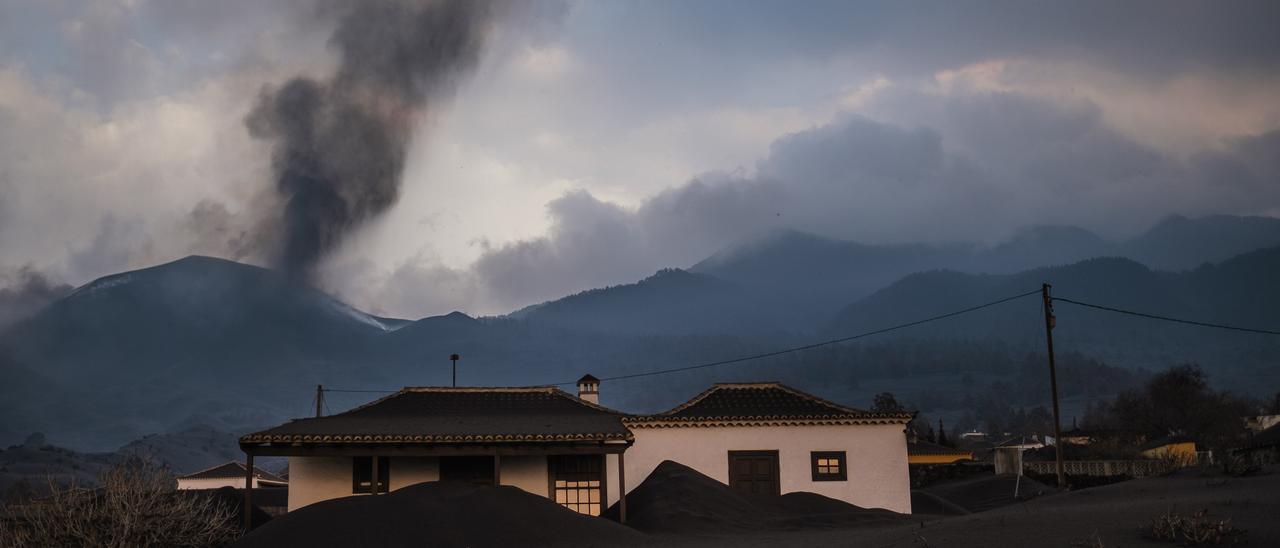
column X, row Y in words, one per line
column 592, row 143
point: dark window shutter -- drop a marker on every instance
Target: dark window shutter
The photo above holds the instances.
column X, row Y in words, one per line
column 362, row 471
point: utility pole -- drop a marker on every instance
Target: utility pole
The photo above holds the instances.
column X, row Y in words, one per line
column 454, row 359
column 1049, row 323
column 319, row 400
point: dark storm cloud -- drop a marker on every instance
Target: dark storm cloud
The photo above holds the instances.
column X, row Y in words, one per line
column 339, row 145
column 1151, row 36
column 214, row 230
column 1246, row 171
column 998, row 162
column 859, row 146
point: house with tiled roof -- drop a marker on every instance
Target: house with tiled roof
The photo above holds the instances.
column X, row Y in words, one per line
column 926, row 452
column 228, row 474
column 761, row 438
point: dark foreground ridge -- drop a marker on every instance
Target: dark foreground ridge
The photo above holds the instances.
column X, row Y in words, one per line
column 440, row 514
column 676, row 499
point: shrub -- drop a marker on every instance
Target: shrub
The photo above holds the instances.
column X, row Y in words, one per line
column 1195, row 529
column 135, row 504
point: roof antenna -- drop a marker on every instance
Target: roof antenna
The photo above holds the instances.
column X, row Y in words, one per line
column 454, row 358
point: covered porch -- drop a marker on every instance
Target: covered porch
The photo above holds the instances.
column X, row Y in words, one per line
column 540, row 440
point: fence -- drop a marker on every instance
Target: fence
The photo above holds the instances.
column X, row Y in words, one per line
column 1134, row 468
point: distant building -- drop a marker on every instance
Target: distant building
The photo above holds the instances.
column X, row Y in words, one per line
column 1024, row 442
column 1261, row 422
column 974, row 435
column 229, row 474
column 764, row 438
column 1179, row 449
column 1090, row 436
column 924, row 452
column 1263, row 447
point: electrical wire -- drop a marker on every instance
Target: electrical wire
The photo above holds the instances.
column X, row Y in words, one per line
column 814, row 345
column 358, row 391
column 769, row 354
column 1166, row 318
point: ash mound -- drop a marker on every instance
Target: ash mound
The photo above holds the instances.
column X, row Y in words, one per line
column 440, row 514
column 676, row 499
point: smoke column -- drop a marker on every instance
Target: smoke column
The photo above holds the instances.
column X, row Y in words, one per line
column 339, row 146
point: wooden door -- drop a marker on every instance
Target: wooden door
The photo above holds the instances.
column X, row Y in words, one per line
column 477, row 470
column 754, row 472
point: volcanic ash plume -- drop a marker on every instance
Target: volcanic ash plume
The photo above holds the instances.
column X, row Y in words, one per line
column 339, row 145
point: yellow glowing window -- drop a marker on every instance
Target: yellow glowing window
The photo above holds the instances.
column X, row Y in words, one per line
column 828, row 465
column 577, row 482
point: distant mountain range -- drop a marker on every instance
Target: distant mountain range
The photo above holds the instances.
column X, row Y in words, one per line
column 1234, row 292
column 204, row 341
column 811, row 276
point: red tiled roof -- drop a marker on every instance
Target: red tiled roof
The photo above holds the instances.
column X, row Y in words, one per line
column 762, row 403
column 458, row 415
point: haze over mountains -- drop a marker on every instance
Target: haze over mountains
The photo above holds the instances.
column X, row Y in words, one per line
column 204, row 341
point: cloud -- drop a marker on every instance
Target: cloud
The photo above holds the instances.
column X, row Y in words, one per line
column 25, row 292
column 597, row 142
column 1004, row 160
column 856, row 148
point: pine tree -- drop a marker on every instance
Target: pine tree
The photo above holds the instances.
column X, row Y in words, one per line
column 942, row 435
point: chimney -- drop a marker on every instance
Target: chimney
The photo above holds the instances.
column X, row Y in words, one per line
column 589, row 389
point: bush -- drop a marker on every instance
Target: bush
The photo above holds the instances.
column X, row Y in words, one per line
column 135, row 504
column 1195, row 529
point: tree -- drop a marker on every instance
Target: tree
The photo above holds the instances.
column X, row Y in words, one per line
column 1179, row 402
column 885, row 402
column 135, row 504
column 942, row 435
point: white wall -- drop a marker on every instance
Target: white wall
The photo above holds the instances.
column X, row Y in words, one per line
column 218, row 483
column 877, row 458
column 313, row 479
column 529, row 473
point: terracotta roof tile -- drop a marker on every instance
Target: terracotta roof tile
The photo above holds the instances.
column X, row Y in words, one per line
column 458, row 415
column 763, row 402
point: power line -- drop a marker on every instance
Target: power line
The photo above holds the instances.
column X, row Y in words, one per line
column 1166, row 318
column 814, row 345
column 768, row 354
column 360, row 391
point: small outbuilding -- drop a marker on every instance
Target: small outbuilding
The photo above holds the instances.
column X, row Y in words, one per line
column 926, row 452
column 229, row 474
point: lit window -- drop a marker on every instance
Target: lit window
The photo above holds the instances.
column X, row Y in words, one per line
column 577, row 482
column 828, row 466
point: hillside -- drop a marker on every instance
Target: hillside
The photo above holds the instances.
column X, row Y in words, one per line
column 233, row 347
column 1231, row 292
column 818, row 275
column 198, row 336
column 671, row 301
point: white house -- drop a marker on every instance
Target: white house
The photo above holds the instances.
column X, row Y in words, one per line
column 228, row 474
column 758, row 437
column 772, row 439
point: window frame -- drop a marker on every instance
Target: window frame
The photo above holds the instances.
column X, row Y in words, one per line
column 841, row 459
column 555, row 468
column 362, row 470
